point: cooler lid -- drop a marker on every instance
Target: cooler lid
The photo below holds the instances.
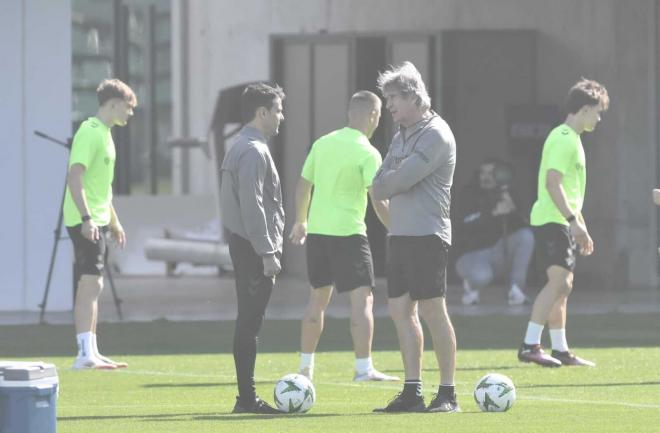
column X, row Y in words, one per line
column 26, row 371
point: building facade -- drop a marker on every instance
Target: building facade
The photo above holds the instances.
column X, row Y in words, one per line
column 483, row 60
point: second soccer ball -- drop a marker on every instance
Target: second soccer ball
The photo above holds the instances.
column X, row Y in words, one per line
column 494, row 393
column 294, row 393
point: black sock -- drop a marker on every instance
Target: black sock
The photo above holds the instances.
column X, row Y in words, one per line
column 412, row 387
column 446, row 391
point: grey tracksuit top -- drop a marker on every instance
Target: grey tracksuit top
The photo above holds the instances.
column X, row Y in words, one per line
column 250, row 193
column 416, row 176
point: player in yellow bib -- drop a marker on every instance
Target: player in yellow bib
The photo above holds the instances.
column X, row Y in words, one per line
column 89, row 214
column 559, row 226
column 340, row 167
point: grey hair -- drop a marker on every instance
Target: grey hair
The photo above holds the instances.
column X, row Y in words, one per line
column 407, row 79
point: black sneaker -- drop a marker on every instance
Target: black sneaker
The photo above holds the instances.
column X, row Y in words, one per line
column 259, row 406
column 404, row 403
column 443, row 403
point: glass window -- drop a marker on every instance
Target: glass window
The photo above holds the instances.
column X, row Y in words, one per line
column 140, row 56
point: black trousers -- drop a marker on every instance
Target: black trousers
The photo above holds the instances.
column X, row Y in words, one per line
column 253, row 291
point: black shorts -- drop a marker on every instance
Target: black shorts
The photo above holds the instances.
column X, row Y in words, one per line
column 344, row 261
column 554, row 245
column 417, row 265
column 89, row 256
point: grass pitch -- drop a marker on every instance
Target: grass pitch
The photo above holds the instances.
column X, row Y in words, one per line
column 181, row 378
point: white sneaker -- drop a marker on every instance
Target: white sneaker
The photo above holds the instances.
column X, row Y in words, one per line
column 308, row 372
column 85, row 363
column 470, row 297
column 374, row 375
column 517, row 296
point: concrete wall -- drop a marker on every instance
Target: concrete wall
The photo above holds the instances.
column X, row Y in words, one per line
column 36, row 72
column 611, row 41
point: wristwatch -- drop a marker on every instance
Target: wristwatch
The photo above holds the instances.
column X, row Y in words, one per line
column 86, row 218
column 570, row 218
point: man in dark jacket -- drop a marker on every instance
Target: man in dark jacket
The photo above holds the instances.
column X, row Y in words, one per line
column 252, row 213
column 495, row 236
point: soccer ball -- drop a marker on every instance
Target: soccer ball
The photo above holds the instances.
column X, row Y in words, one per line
column 494, row 393
column 294, row 393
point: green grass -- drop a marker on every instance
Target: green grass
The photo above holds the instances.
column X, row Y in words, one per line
column 181, row 378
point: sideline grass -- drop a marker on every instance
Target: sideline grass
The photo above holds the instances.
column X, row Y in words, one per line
column 173, row 385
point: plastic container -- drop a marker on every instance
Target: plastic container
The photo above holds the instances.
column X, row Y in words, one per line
column 28, row 397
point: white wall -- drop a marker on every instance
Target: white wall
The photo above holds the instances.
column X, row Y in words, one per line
column 607, row 40
column 35, row 47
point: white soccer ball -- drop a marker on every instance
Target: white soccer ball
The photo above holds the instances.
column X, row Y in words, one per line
column 294, row 393
column 495, row 393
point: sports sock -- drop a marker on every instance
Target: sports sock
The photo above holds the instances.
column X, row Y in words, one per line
column 84, row 341
column 558, row 338
column 412, row 387
column 363, row 365
column 533, row 335
column 446, row 390
column 306, row 361
column 95, row 347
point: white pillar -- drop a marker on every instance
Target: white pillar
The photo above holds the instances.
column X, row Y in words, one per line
column 35, row 44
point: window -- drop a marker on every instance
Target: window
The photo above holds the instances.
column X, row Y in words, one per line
column 129, row 40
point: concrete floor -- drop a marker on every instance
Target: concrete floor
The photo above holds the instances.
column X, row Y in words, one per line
column 185, row 298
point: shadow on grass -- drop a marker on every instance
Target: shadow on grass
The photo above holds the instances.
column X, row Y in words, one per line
column 433, row 369
column 163, row 417
column 590, row 385
column 485, row 368
column 282, row 336
column 187, row 417
column 244, row 417
column 196, row 385
column 192, row 417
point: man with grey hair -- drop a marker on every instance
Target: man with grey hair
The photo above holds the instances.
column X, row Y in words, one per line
column 416, row 177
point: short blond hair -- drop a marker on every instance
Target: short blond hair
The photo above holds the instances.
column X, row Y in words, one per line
column 365, row 102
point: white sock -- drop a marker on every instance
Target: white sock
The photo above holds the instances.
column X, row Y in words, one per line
column 95, row 347
column 306, row 361
column 466, row 286
column 85, row 349
column 533, row 335
column 363, row 365
column 558, row 338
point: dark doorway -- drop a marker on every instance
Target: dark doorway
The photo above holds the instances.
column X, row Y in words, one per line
column 477, row 80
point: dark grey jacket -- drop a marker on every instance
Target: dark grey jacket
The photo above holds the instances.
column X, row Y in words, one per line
column 416, row 176
column 250, row 193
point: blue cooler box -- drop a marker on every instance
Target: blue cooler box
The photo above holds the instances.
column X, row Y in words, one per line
column 28, row 397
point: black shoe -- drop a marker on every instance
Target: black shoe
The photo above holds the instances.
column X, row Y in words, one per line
column 404, row 403
column 443, row 403
column 259, row 406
